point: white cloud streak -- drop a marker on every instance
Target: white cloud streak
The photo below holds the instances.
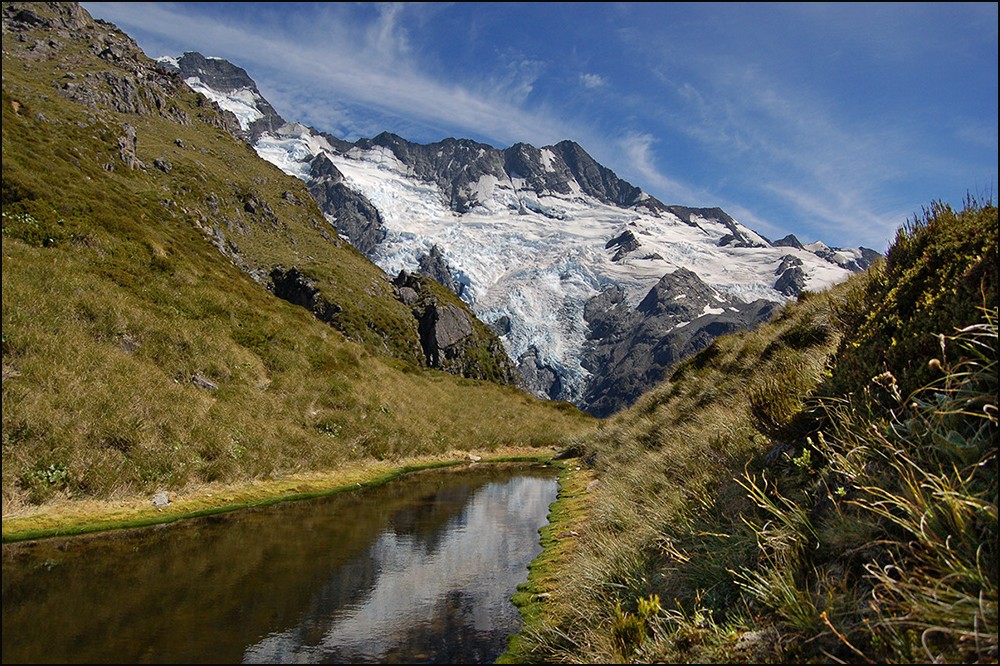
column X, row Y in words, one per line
column 638, row 148
column 828, row 171
column 355, row 65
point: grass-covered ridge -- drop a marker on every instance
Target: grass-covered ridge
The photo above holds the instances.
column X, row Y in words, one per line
column 822, row 489
column 142, row 349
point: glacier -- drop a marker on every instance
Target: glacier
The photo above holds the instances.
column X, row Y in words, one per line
column 536, row 259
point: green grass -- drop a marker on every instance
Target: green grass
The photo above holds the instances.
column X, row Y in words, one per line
column 199, row 504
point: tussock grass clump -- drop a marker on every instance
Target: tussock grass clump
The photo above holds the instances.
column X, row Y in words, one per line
column 890, row 554
column 666, row 514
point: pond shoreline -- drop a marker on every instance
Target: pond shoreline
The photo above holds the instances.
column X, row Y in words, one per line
column 69, row 517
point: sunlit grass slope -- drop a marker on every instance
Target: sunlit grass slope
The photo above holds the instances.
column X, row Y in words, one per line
column 138, row 352
column 822, row 489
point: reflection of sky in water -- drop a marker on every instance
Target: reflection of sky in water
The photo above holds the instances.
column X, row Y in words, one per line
column 477, row 563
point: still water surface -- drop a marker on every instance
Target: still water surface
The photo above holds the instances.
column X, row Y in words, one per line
column 417, row 571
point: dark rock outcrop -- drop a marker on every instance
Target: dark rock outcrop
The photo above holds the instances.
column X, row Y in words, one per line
column 354, row 216
column 791, row 282
column 629, row 351
column 540, row 375
column 788, row 241
column 737, row 236
column 442, row 327
column 624, row 243
column 451, row 338
column 299, row 289
column 435, row 266
column 787, row 261
column 791, row 278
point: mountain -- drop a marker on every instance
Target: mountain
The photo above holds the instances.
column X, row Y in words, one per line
column 207, row 75
column 248, row 227
column 535, row 238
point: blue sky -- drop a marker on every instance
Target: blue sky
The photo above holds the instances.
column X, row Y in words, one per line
column 835, row 122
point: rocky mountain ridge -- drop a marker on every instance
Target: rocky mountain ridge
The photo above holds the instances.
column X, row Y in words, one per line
column 572, row 233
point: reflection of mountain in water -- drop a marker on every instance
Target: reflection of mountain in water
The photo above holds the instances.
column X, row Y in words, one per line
column 428, row 603
column 285, row 577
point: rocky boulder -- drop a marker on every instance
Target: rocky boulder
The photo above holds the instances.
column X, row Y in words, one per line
column 452, row 339
column 299, row 289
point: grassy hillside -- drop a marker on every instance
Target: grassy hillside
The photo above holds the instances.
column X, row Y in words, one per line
column 142, row 348
column 821, row 489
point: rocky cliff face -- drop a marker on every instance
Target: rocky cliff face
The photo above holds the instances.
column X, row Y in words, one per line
column 458, row 167
column 451, row 337
column 350, row 212
column 629, row 350
column 215, row 74
column 738, row 236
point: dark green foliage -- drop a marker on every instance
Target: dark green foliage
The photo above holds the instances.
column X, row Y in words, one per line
column 938, row 275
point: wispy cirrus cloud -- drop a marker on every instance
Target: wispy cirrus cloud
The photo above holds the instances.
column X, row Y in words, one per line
column 593, row 80
column 356, row 63
column 853, row 218
column 807, row 118
column 822, row 168
column 638, row 148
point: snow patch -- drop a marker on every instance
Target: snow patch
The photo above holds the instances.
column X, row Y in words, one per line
column 241, row 103
column 547, row 157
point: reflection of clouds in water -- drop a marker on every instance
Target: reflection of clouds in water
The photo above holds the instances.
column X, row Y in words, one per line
column 483, row 556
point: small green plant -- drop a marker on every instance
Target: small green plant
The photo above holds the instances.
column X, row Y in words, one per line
column 630, row 630
column 41, row 482
column 804, row 460
column 53, row 475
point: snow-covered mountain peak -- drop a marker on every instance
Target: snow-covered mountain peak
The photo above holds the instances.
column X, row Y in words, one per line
column 228, row 86
column 528, row 237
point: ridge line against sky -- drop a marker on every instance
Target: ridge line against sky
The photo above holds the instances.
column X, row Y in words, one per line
column 835, row 122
